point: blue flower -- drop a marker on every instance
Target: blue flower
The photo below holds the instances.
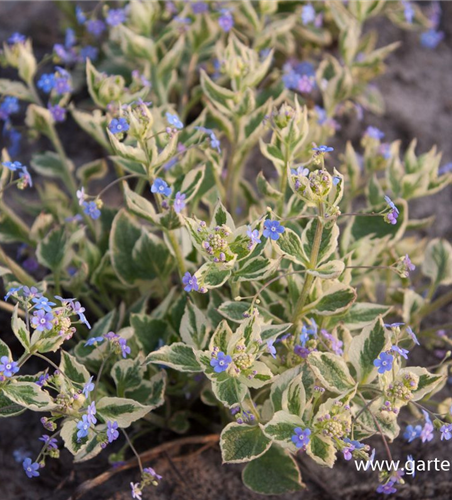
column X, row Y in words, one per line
column 83, row 427
column 7, row 367
column 46, row 82
column 31, row 293
column 116, row 17
column 446, row 432
column 62, row 82
column 42, row 320
column 9, row 106
column 431, row 38
column 89, row 52
column 58, row 112
column 112, row 432
column 91, row 412
column 125, row 349
column 411, row 433
column 95, row 26
column 13, row 165
column 94, row 340
column 384, row 362
column 90, row 208
column 301, row 437
column 30, row 468
column 253, row 235
column 221, row 362
column 427, row 430
column 408, row 11
column 16, row 38
column 12, row 291
column 80, row 15
column 226, row 21
column 273, row 229
column 412, row 335
column 214, row 142
column 117, row 126
column 179, row 203
column 400, row 350
column 49, row 442
column 387, row 488
column 307, row 14
column 271, row 348
column 374, row 133
column 161, row 187
column 89, row 386
column 323, row 149
column 190, row 282
column 174, row 121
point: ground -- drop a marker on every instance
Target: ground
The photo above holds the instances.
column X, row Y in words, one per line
column 416, row 88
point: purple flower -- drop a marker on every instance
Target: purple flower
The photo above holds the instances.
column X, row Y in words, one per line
column 7, row 367
column 80, row 15
column 336, row 344
column 42, row 320
column 384, row 362
column 89, row 386
column 221, row 362
column 446, row 432
column 30, row 468
column 226, row 21
column 89, row 52
column 387, row 488
column 412, row 335
column 301, row 351
column 116, row 17
column 95, row 26
column 112, row 432
column 408, row 264
column 445, row 169
column 91, row 412
column 151, row 472
column 301, row 437
column 118, row 126
column 399, row 350
column 83, row 427
column 17, row 38
column 323, row 149
column 273, row 229
column 214, row 142
column 125, row 349
column 136, row 490
column 90, row 208
column 94, row 340
column 190, row 282
column 348, row 452
column 42, row 379
column 374, row 133
column 431, row 38
column 161, row 187
column 408, row 11
column 427, row 430
column 411, row 433
column 307, row 14
column 31, row 293
column 179, row 203
column 199, row 7
column 253, row 235
column 271, row 348
column 49, row 442
column 58, row 112
column 63, row 84
column 174, row 121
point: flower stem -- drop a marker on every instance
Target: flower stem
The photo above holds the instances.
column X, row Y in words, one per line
column 177, row 251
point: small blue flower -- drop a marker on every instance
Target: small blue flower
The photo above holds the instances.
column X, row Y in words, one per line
column 95, row 26
column 412, row 335
column 89, row 52
column 431, row 38
column 427, row 430
column 446, row 432
column 42, row 320
column 91, row 412
column 307, row 14
column 89, row 386
column 12, row 291
column 49, row 442
column 221, row 362
column 273, row 229
column 14, row 166
column 174, row 121
column 112, row 432
column 8, row 367
column 46, row 82
column 323, row 149
column 190, row 282
column 384, row 362
column 31, row 293
column 301, row 437
column 226, row 21
column 83, row 427
column 374, row 133
column 94, row 340
column 125, row 349
column 63, row 84
column 399, row 350
column 179, row 202
column 90, row 208
column 214, row 142
column 411, row 433
column 16, row 38
column 9, row 106
column 30, row 468
column 161, row 187
column 118, row 126
column 408, row 11
column 80, row 15
column 115, row 17
column 253, row 235
column 271, row 348
column 58, row 113
column 387, row 489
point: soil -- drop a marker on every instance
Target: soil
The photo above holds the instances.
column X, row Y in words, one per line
column 416, row 88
